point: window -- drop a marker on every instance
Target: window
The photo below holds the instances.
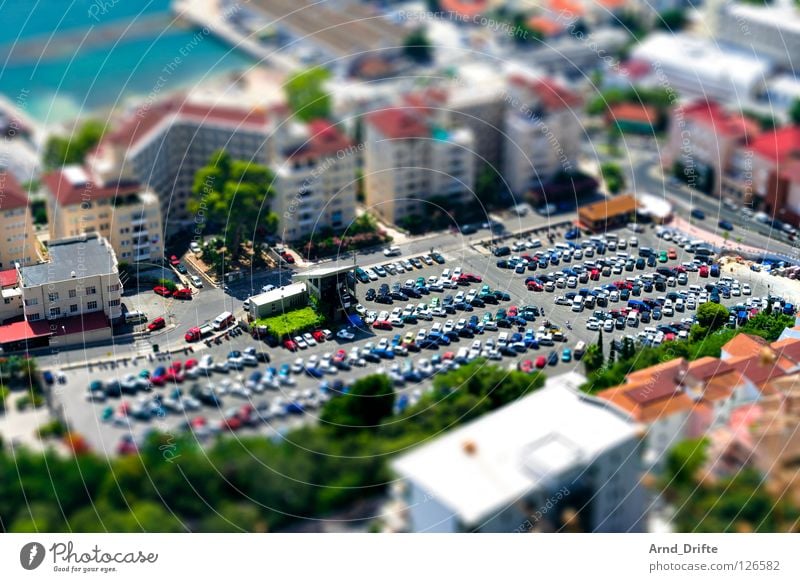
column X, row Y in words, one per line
column 52, row 296
column 7, row 300
column 55, row 311
column 33, row 316
column 91, row 305
column 91, row 290
column 73, row 293
column 113, row 303
column 73, row 308
column 32, row 301
column 112, row 288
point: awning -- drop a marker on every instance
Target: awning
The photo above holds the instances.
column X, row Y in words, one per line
column 356, row 321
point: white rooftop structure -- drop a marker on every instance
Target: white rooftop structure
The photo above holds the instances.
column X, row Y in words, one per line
column 76, row 175
column 697, row 67
column 278, row 294
column 479, row 469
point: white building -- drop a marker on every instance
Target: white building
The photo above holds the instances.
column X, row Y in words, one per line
column 315, row 168
column 543, row 132
column 695, row 67
column 279, row 300
column 79, row 278
column 521, row 467
column 772, row 32
column 410, row 159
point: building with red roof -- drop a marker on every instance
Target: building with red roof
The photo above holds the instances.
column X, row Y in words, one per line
column 543, row 132
column 315, row 166
column 704, row 138
column 16, row 224
column 162, row 145
column 413, row 154
column 125, row 212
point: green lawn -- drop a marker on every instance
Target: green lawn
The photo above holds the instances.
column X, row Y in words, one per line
column 291, row 323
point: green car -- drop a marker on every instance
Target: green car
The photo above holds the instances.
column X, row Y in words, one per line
column 435, row 302
column 662, row 257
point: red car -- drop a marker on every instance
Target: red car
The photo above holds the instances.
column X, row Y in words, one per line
column 318, row 335
column 541, row 362
column 173, row 376
column 474, row 278
column 176, row 366
column 513, row 311
column 671, row 254
column 534, row 286
column 384, row 325
column 679, row 269
column 182, row 293
column 174, row 261
column 286, row 256
column 190, row 363
column 340, row 356
column 526, row 366
column 703, row 271
column 448, row 356
column 163, row 291
column 595, row 275
column 156, row 324
column 290, row 345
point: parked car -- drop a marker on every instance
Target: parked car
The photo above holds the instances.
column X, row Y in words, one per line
column 161, row 290
column 156, row 324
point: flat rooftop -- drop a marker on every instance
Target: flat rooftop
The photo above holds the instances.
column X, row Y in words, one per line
column 278, row 294
column 515, row 449
column 76, row 257
column 346, row 31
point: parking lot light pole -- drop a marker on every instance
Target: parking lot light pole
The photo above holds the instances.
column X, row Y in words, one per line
column 64, row 330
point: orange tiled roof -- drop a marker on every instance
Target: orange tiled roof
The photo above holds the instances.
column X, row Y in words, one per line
column 744, row 345
column 545, row 25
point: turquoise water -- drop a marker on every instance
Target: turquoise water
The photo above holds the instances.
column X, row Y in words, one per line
column 58, row 62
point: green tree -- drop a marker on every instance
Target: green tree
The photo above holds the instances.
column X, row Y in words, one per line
column 233, row 195
column 672, row 20
column 613, row 176
column 417, row 47
column 61, row 151
column 306, row 94
column 712, row 316
column 794, row 112
column 685, row 459
column 592, row 359
column 369, row 401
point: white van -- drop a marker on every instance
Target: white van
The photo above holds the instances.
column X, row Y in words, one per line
column 633, row 319
column 135, row 317
column 579, row 350
column 222, row 321
column 392, row 251
column 577, row 304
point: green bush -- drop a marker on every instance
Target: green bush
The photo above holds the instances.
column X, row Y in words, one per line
column 168, row 283
column 54, row 428
column 292, row 322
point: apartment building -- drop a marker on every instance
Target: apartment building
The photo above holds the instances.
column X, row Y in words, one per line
column 543, row 132
column 126, row 213
column 410, row 159
column 162, row 145
column 80, row 278
column 556, row 448
column 18, row 240
column 702, row 142
column 11, row 306
column 315, row 168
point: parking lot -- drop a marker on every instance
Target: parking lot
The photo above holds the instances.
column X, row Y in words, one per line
column 298, row 384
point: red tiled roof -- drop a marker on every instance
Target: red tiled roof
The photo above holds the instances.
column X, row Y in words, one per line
column 722, row 122
column 325, row 139
column 636, row 112
column 20, row 331
column 149, row 116
column 636, row 68
column 12, row 194
column 552, row 95
column 755, row 371
column 68, row 194
column 398, row 123
column 744, row 345
column 572, row 7
column 464, row 7
column 546, row 26
column 8, row 278
column 779, row 144
column 707, row 367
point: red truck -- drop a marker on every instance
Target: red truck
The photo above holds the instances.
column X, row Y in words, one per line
column 195, row 334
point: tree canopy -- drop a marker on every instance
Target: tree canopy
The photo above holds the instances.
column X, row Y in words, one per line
column 65, row 150
column 233, row 196
column 306, row 94
column 417, row 47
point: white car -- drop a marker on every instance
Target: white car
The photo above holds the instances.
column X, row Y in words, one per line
column 608, row 325
column 300, row 342
column 345, row 335
column 309, row 339
column 746, row 289
column 593, row 325
column 196, row 281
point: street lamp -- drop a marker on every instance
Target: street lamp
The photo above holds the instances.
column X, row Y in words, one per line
column 64, row 330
